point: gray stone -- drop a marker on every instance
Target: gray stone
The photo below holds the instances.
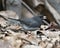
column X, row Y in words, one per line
column 14, row 5
column 31, row 46
column 54, row 7
column 5, row 44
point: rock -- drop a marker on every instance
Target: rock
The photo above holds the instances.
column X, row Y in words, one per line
column 31, row 46
column 55, row 6
column 15, row 6
column 3, row 22
column 26, row 13
column 5, row 44
column 49, row 45
column 51, row 34
column 9, row 14
column 33, row 3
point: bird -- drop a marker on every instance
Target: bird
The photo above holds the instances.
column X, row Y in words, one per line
column 30, row 24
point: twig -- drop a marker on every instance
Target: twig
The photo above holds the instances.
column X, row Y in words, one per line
column 28, row 8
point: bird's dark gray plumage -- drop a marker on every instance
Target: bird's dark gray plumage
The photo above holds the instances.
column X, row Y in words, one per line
column 31, row 23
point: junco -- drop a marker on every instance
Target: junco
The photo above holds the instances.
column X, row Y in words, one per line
column 31, row 23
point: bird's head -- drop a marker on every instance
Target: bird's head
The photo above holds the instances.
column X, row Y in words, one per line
column 42, row 17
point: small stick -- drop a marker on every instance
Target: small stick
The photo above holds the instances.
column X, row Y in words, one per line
column 28, row 8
